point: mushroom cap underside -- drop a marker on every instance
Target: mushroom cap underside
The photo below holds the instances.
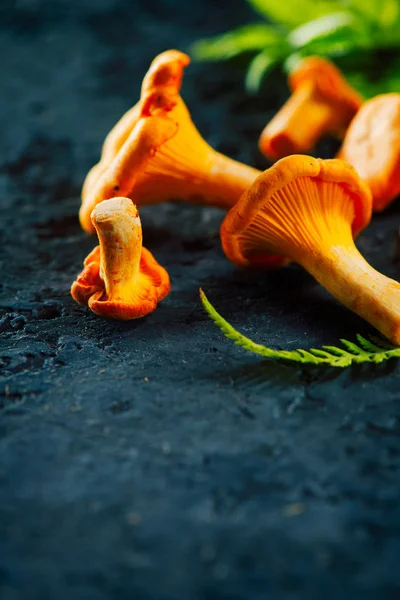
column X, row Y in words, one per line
column 297, row 169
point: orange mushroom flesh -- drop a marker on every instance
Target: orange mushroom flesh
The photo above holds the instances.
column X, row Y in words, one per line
column 156, row 153
column 372, row 146
column 165, row 73
column 121, row 279
column 308, row 210
column 321, row 103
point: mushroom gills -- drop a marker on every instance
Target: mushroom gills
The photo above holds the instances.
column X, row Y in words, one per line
column 310, row 222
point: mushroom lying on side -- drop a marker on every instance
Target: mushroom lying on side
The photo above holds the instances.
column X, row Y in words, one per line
column 308, row 210
column 321, row 103
column 121, row 279
column 156, row 153
column 372, row 146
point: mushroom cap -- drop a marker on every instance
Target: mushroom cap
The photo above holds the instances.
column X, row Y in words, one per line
column 152, row 286
column 287, row 170
column 328, row 80
column 372, row 146
column 162, row 82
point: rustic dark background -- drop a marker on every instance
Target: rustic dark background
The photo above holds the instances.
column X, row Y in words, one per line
column 154, row 460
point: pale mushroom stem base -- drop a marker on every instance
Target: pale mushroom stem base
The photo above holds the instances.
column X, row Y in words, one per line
column 345, row 273
column 120, row 248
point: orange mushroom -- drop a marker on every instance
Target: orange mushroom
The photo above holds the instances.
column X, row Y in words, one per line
column 321, row 103
column 165, row 73
column 121, row 279
column 372, row 146
column 155, row 152
column 308, row 210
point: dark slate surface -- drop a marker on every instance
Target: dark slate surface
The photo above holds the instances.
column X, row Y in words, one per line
column 154, row 460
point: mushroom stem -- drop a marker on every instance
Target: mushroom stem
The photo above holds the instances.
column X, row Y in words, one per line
column 162, row 160
column 298, row 125
column 226, row 181
column 120, row 236
column 321, row 102
column 195, row 173
column 345, row 273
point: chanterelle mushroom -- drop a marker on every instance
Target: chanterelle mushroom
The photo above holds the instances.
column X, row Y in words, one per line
column 156, row 153
column 165, row 73
column 372, row 146
column 321, row 103
column 121, row 279
column 308, row 210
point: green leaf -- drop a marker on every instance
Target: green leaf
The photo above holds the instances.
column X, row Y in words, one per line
column 292, row 62
column 335, row 25
column 335, row 29
column 390, row 14
column 383, row 344
column 352, row 347
column 361, row 83
column 333, row 46
column 367, row 345
column 247, row 38
column 387, row 82
column 294, row 12
column 369, row 351
column 383, row 12
column 259, row 66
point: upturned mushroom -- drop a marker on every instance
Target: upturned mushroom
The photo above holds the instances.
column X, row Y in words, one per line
column 322, row 102
column 372, row 146
column 308, row 210
column 121, row 279
column 165, row 73
column 155, row 152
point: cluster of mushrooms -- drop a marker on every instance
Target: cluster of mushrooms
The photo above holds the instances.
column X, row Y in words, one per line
column 302, row 209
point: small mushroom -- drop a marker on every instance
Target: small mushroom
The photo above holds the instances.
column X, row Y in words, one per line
column 156, row 153
column 309, row 210
column 121, row 279
column 372, row 146
column 321, row 103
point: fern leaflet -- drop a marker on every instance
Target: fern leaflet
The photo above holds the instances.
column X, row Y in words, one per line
column 375, row 350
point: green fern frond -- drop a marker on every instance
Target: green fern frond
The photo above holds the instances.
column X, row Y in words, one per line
column 258, row 68
column 367, row 345
column 375, row 350
column 345, row 30
column 248, row 38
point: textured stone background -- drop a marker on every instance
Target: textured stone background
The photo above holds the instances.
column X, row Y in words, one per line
column 154, row 460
